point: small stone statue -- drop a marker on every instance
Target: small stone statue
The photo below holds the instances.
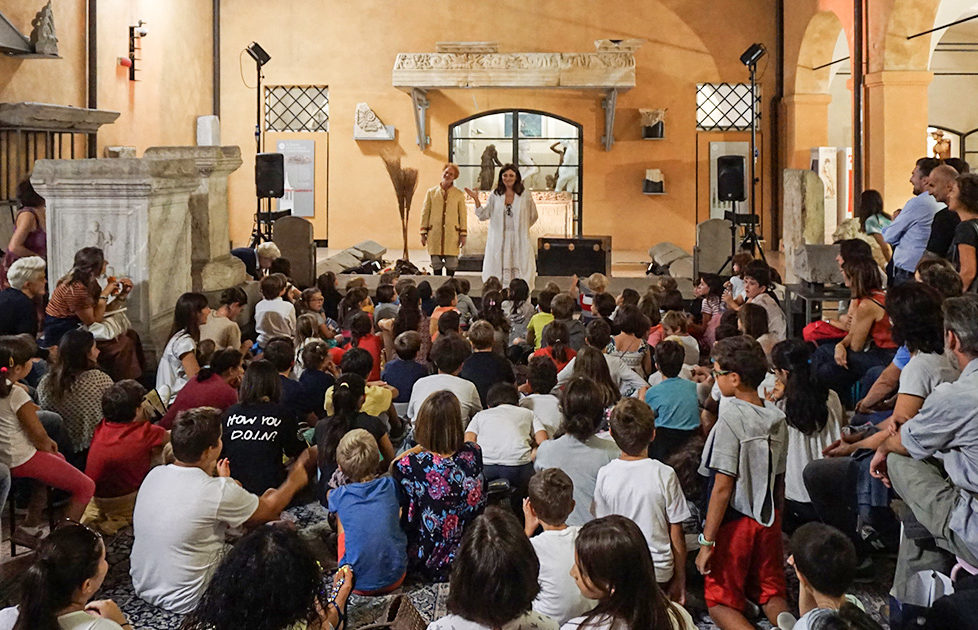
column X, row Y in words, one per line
column 43, row 39
column 942, row 145
column 487, row 173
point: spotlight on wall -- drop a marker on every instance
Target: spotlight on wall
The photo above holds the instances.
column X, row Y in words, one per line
column 258, row 54
column 753, row 54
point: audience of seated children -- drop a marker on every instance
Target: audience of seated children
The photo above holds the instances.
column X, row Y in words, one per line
column 274, row 316
column 259, row 432
column 674, row 401
column 556, row 345
column 494, row 579
column 542, row 317
column 385, row 306
column 613, row 566
column 281, row 353
column 484, row 367
column 734, row 294
column 68, row 569
column 379, row 395
column 445, row 300
column 221, row 326
column 403, row 371
column 444, row 461
column 25, row 447
column 824, row 561
column 448, row 354
column 216, row 385
column 744, row 458
column 623, row 379
column 709, row 289
column 648, row 492
column 503, row 431
column 550, row 501
column 541, row 379
column 348, row 397
column 178, row 363
column 275, row 562
column 674, row 325
column 184, row 509
column 73, row 389
column 313, row 303
column 121, row 455
column 305, row 333
column 562, row 308
column 584, row 293
column 492, row 312
column 629, row 341
column 604, row 307
column 356, row 300
column 669, row 296
column 758, row 285
column 579, row 451
column 465, row 304
column 362, row 336
column 814, row 415
column 591, row 364
column 317, row 378
column 370, row 538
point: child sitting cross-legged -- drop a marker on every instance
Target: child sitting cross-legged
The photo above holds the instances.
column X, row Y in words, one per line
column 646, row 491
column 120, row 456
column 542, row 378
column 744, row 457
column 824, row 560
column 674, row 401
column 550, row 502
column 368, row 517
column 504, row 431
column 404, row 371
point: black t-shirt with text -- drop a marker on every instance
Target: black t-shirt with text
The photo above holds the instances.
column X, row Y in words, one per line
column 256, row 436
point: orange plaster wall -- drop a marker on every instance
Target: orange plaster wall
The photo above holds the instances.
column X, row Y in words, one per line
column 351, row 48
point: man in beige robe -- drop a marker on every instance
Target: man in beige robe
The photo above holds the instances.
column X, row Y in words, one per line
column 443, row 222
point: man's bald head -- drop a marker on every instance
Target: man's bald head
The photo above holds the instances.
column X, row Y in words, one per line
column 940, row 181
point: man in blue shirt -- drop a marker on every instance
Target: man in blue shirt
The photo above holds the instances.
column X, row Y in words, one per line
column 910, row 230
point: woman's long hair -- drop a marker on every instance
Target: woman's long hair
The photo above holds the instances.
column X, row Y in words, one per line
column 557, row 338
column 64, row 560
column 409, row 314
column 268, row 581
column 519, row 292
column 590, row 363
column 870, row 203
column 86, row 268
column 864, row 277
column 918, row 321
column 14, row 350
column 492, row 311
column 582, row 407
column 613, row 555
column 186, row 315
column 347, row 392
column 517, row 185
column 72, row 361
column 352, row 301
column 361, row 326
column 805, row 398
column 221, row 361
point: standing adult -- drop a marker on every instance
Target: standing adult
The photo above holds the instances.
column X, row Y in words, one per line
column 443, row 222
column 29, row 237
column 939, row 185
column 511, row 212
column 910, row 230
column 964, row 202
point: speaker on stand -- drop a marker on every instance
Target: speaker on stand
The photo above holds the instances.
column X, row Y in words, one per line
column 269, row 184
column 730, row 187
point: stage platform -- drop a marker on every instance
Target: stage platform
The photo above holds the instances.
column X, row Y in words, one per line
column 627, row 270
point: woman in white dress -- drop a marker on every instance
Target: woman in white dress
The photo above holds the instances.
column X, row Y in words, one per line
column 511, row 212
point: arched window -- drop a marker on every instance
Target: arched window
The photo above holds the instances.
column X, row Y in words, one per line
column 546, row 148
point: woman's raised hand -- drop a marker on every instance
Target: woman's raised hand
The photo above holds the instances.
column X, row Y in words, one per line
column 471, row 193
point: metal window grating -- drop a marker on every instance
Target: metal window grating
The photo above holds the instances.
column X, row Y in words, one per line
column 725, row 106
column 297, row 108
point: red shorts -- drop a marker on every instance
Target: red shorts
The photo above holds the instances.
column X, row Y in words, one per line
column 748, row 561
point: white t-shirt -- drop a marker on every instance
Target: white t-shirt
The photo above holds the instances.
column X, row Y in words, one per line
column 546, row 407
column 15, row 447
column 504, row 433
column 690, row 345
column 274, row 318
column 79, row 620
column 559, row 596
column 606, row 623
column 465, row 390
column 805, row 449
column 648, row 492
column 170, row 375
column 529, row 621
column 179, row 522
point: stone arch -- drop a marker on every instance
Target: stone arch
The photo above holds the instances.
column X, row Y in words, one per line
column 899, row 19
column 817, row 46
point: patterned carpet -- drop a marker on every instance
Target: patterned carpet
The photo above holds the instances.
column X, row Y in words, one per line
column 428, row 599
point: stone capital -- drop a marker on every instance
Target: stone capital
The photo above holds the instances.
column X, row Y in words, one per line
column 898, row 78
column 219, row 161
column 115, row 178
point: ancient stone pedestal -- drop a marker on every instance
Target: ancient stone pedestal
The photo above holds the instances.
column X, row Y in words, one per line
column 712, row 246
column 212, row 266
column 293, row 235
column 804, row 216
column 135, row 210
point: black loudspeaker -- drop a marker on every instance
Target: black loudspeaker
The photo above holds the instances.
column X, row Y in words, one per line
column 568, row 256
column 270, row 175
column 730, row 178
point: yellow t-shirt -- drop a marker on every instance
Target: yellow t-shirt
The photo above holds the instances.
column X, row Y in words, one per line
column 377, row 401
column 536, row 324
